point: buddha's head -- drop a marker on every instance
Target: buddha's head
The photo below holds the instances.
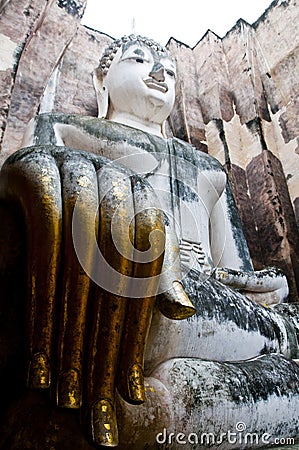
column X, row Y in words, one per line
column 135, row 83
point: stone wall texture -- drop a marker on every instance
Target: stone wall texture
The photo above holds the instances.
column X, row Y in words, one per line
column 237, row 98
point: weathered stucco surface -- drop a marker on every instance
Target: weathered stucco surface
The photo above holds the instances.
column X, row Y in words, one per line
column 237, row 100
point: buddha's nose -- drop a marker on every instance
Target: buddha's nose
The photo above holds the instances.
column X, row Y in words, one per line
column 157, row 72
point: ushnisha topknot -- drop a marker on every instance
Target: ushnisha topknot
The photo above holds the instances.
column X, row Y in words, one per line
column 111, row 50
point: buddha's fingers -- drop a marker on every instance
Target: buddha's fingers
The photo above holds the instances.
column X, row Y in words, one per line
column 80, row 223
column 148, row 260
column 109, row 313
column 173, row 302
column 113, row 275
column 32, row 181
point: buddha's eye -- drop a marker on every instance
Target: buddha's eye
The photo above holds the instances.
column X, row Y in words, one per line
column 139, row 60
column 170, row 73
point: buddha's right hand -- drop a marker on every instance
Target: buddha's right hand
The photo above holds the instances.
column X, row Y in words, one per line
column 172, row 301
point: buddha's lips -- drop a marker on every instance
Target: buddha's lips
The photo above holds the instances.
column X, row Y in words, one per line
column 159, row 86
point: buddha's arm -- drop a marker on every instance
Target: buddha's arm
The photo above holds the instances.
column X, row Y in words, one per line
column 232, row 260
column 227, row 241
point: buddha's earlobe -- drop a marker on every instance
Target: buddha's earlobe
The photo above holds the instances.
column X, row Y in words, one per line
column 163, row 129
column 101, row 92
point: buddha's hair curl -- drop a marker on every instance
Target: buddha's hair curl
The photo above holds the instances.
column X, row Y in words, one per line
column 111, row 50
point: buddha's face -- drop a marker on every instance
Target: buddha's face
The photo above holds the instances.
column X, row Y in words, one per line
column 141, row 82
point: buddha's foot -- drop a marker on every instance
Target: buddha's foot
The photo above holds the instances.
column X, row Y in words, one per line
column 175, row 303
column 103, row 423
column 68, row 394
column 39, row 376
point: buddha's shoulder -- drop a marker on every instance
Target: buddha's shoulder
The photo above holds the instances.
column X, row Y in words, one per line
column 201, row 159
column 49, row 126
column 61, row 128
column 46, row 123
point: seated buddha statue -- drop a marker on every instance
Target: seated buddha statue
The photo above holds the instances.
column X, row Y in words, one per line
column 143, row 307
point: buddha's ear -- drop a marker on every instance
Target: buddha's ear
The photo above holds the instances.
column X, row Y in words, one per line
column 101, row 92
column 163, row 129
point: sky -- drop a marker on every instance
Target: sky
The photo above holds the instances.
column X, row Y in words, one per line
column 185, row 20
